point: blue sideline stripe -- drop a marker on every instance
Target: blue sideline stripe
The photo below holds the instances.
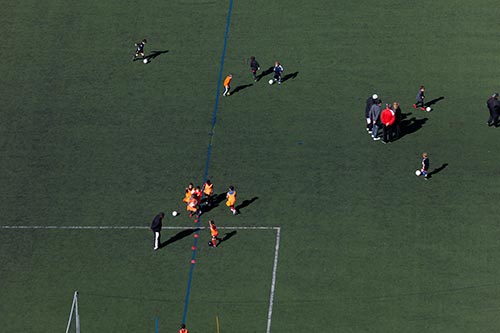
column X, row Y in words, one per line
column 209, row 153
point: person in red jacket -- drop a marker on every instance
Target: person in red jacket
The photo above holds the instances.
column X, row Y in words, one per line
column 387, row 118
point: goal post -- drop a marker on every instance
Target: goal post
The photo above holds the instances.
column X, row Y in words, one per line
column 74, row 317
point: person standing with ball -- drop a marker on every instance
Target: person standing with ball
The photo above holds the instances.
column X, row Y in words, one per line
column 278, row 70
column 425, row 165
column 156, row 228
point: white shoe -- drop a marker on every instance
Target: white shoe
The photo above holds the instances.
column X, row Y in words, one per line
column 376, row 139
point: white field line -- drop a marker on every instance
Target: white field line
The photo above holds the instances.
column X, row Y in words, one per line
column 273, row 281
column 75, row 227
column 92, row 227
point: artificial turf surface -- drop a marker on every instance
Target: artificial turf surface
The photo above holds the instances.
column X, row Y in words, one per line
column 91, row 138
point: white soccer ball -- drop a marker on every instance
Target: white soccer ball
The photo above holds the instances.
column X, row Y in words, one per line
column 271, row 81
column 145, row 61
column 418, row 173
column 174, row 213
column 428, row 109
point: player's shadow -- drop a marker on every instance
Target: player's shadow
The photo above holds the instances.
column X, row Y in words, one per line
column 245, row 203
column 265, row 73
column 227, row 236
column 437, row 170
column 180, row 235
column 239, row 88
column 155, row 54
column 409, row 126
column 289, row 76
column 214, row 202
column 434, row 101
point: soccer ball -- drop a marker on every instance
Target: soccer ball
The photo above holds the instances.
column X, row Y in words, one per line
column 418, row 173
column 271, row 81
column 145, row 61
column 174, row 213
column 428, row 109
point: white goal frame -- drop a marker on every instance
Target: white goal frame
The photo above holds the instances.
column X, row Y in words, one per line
column 74, row 306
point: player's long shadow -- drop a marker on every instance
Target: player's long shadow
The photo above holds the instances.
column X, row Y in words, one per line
column 155, row 54
column 227, row 236
column 239, row 88
column 265, row 73
column 215, row 202
column 245, row 203
column 434, row 101
column 409, row 126
column 180, row 235
column 437, row 170
column 289, row 76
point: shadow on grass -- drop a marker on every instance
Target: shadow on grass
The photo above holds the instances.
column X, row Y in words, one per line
column 265, row 73
column 239, row 88
column 245, row 203
column 226, row 237
column 437, row 170
column 434, row 101
column 289, row 76
column 214, row 202
column 180, row 235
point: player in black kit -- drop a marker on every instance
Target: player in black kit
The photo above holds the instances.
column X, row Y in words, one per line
column 140, row 49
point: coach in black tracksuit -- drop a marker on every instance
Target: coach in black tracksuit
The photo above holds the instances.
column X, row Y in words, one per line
column 494, row 108
column 156, row 228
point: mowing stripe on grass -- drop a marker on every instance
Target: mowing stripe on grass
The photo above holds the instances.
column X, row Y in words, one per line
column 207, row 161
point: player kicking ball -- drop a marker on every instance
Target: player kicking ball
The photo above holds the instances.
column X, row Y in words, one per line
column 215, row 233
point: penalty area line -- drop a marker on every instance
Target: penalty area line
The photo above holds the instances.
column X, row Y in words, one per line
column 92, row 227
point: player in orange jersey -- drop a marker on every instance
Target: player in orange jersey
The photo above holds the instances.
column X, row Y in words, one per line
column 192, row 206
column 214, row 232
column 231, row 199
column 227, row 83
column 183, row 329
column 208, row 190
column 188, row 193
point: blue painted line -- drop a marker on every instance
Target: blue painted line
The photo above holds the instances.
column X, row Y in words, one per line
column 156, row 324
column 207, row 162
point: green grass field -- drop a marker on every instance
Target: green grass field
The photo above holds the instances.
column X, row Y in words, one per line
column 90, row 138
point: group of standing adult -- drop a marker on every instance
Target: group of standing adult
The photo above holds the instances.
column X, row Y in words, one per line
column 388, row 118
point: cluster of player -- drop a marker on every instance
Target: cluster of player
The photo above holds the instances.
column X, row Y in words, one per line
column 389, row 118
column 198, row 199
column 255, row 67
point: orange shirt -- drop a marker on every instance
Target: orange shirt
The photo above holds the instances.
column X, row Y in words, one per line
column 231, row 198
column 227, row 81
column 213, row 230
column 183, row 330
column 208, row 189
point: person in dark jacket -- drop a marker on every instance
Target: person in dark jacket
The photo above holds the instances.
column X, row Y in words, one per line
column 420, row 99
column 369, row 102
column 494, row 107
column 254, row 66
column 397, row 121
column 156, row 228
column 375, row 118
